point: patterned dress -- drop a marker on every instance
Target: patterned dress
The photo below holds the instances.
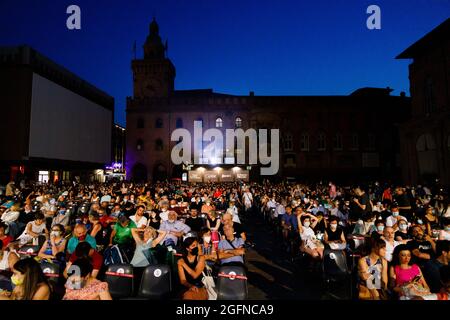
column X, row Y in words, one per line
column 89, row 292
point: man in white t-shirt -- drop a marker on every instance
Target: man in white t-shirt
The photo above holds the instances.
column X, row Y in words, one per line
column 247, row 199
column 138, row 218
column 393, row 219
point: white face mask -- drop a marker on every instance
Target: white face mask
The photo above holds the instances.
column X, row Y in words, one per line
column 55, row 233
column 403, row 227
column 333, row 226
column 207, row 239
column 306, row 224
column 395, row 214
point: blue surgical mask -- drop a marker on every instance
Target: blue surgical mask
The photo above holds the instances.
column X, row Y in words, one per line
column 395, row 214
column 62, row 212
column 380, row 228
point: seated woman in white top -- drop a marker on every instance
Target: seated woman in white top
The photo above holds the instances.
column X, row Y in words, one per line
column 7, row 258
column 445, row 234
column 33, row 230
column 310, row 244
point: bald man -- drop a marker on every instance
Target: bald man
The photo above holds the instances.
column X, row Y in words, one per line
column 79, row 235
column 227, row 219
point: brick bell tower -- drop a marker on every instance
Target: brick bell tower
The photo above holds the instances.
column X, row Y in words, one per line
column 153, row 76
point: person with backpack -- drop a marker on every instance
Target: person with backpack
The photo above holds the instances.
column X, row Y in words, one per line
column 123, row 237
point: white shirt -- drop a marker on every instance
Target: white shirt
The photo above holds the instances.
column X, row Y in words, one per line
column 142, row 221
column 10, row 216
column 390, row 249
column 391, row 220
column 307, row 235
column 164, row 215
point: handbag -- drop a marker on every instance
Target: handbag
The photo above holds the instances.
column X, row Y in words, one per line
column 208, row 282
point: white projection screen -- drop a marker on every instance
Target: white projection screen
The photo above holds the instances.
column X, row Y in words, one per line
column 67, row 126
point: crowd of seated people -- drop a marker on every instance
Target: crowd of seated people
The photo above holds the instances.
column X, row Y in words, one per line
column 400, row 234
column 373, row 223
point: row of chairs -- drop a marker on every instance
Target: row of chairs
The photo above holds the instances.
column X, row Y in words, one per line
column 338, row 267
column 156, row 282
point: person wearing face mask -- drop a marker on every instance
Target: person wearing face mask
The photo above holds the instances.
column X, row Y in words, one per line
column 379, row 229
column 395, row 217
column 445, row 233
column 55, row 245
column 145, row 240
column 207, row 207
column 83, row 286
column 430, row 220
column 175, row 229
column 334, row 236
column 7, row 260
column 206, row 247
column 61, row 217
column 80, row 235
column 34, row 231
column 164, row 214
column 29, row 282
column 402, row 232
column 310, row 244
column 190, row 269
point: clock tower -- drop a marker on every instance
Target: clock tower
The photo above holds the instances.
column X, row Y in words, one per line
column 153, row 76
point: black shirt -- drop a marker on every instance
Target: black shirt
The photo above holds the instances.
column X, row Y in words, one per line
column 334, row 235
column 431, row 272
column 424, row 247
column 154, row 222
column 404, row 236
column 196, row 224
column 365, row 200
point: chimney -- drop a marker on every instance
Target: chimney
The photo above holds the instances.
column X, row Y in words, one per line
column 402, row 94
column 252, row 94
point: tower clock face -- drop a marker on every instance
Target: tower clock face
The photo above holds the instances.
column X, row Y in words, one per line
column 151, row 87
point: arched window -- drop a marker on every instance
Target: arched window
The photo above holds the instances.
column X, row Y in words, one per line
column 159, row 146
column 219, row 122
column 288, row 142
column 140, row 145
column 430, row 101
column 321, row 142
column 427, row 154
column 179, row 123
column 337, row 143
column 425, row 143
column 238, row 122
column 304, row 142
column 140, row 123
column 159, row 123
